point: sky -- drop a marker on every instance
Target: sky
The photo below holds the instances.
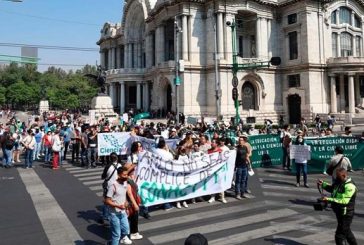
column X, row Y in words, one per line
column 66, row 23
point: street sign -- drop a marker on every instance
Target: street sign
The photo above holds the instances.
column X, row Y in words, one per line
column 235, row 94
column 235, row 81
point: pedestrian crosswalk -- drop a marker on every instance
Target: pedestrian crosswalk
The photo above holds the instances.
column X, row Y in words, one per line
column 280, row 212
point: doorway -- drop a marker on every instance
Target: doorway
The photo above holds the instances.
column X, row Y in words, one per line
column 294, row 109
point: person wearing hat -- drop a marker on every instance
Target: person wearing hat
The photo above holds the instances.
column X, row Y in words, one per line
column 173, row 134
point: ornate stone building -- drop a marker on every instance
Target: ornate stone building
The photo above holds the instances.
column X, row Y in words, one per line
column 320, row 44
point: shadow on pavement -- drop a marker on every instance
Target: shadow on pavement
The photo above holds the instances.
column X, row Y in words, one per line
column 284, row 241
column 302, row 202
column 269, row 181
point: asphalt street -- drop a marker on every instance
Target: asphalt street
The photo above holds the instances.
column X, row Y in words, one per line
column 43, row 206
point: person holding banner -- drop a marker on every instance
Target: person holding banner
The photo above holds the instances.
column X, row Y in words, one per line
column 216, row 149
column 163, row 151
column 301, row 161
column 242, row 164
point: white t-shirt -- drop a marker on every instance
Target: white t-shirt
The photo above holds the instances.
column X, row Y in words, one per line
column 166, row 155
column 114, row 174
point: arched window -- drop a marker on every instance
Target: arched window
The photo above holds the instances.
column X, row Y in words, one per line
column 333, row 17
column 249, row 96
column 346, row 44
column 345, row 15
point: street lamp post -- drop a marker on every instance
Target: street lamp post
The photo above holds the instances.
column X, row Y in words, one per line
column 235, row 93
column 177, row 80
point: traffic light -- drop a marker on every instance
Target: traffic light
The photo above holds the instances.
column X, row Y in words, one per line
column 235, row 94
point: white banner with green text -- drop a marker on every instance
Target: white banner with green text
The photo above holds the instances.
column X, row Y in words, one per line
column 163, row 181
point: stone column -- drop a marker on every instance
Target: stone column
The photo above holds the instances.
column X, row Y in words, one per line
column 258, row 38
column 145, row 96
column 333, row 93
column 110, row 59
column 227, row 40
column 138, row 104
column 102, row 58
column 220, row 35
column 184, row 38
column 357, row 90
column 148, row 52
column 113, row 58
column 342, row 93
column 354, row 46
column 112, row 93
column 122, row 97
column 126, row 56
column 338, row 47
column 118, row 58
column 351, row 93
column 269, row 39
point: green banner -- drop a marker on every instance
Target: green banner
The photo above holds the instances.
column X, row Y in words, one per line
column 267, row 150
column 322, row 149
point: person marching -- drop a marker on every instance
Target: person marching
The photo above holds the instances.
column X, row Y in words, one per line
column 301, row 162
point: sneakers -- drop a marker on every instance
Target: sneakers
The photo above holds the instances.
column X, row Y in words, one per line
column 178, row 205
column 184, row 204
column 307, row 186
column 193, row 200
column 223, row 200
column 297, row 184
column 248, row 191
column 136, row 236
column 211, row 200
column 125, row 240
column 238, row 197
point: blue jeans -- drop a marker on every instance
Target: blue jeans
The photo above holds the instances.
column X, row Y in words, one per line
column 84, row 157
column 47, row 154
column 28, row 158
column 8, row 157
column 241, row 180
column 301, row 167
column 37, row 150
column 119, row 226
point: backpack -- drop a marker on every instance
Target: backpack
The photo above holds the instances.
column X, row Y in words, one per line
column 104, row 172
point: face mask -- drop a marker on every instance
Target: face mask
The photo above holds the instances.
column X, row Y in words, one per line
column 300, row 140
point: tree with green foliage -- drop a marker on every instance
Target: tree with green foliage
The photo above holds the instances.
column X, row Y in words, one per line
column 22, row 87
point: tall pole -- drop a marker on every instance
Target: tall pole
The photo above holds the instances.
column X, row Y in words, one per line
column 217, row 80
column 176, row 81
column 235, row 70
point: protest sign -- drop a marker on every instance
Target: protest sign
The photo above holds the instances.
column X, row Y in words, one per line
column 112, row 142
column 267, row 150
column 163, row 181
column 120, row 143
column 301, row 152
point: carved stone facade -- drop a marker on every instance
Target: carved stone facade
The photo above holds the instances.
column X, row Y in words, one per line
column 320, row 44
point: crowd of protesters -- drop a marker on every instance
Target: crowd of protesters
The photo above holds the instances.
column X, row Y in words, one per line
column 51, row 137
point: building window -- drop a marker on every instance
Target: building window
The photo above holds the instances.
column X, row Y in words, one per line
column 357, row 22
column 240, row 46
column 345, row 15
column 346, row 44
column 358, row 46
column 249, row 95
column 293, row 45
column 292, row 18
column 294, row 81
column 334, row 44
column 333, row 17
